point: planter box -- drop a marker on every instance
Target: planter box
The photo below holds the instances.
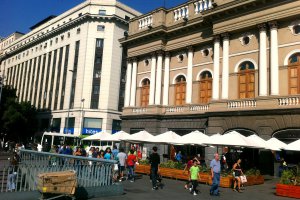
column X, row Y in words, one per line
column 254, row 180
column 225, row 182
column 142, row 169
column 288, row 191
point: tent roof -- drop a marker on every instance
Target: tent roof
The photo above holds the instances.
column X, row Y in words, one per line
column 142, row 136
column 275, row 144
column 102, row 136
column 294, row 146
column 168, row 137
column 195, row 137
column 256, row 141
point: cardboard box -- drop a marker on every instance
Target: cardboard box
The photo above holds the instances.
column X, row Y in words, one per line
column 64, row 182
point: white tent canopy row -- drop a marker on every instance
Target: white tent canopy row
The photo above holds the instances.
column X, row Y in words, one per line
column 232, row 138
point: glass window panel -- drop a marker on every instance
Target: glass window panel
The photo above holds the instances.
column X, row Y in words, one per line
column 92, row 122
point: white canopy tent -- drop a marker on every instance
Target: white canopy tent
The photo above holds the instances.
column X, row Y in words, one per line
column 120, row 135
column 102, row 136
column 232, row 138
column 168, row 137
column 215, row 139
column 275, row 144
column 194, row 138
column 139, row 137
column 294, row 146
column 256, row 141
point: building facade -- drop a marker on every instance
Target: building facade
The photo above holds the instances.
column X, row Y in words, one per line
column 215, row 66
column 71, row 67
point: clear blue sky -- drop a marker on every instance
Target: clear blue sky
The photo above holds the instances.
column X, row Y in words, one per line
column 19, row 15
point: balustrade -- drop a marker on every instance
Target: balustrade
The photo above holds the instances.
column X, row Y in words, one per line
column 289, row 101
column 202, row 5
column 145, row 22
column 181, row 13
column 139, row 110
column 241, row 104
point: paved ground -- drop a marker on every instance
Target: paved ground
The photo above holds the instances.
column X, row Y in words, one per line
column 173, row 189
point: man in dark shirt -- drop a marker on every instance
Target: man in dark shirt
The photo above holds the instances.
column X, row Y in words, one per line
column 154, row 161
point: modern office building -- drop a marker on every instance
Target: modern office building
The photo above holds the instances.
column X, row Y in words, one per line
column 71, row 67
column 215, row 66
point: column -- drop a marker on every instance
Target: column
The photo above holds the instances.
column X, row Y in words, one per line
column 133, row 83
column 189, row 84
column 215, row 95
column 262, row 60
column 274, row 59
column 225, row 72
column 166, row 79
column 128, row 82
column 158, row 78
column 152, row 81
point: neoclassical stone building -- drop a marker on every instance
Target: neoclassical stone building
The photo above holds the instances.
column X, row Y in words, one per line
column 215, row 66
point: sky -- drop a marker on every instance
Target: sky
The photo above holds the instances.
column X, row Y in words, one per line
column 20, row 15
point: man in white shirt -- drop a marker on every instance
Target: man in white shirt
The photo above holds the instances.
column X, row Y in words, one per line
column 122, row 162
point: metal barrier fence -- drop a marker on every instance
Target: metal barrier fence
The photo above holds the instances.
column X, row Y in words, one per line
column 91, row 172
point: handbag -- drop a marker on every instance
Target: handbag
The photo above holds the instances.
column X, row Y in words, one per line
column 243, row 179
column 116, row 167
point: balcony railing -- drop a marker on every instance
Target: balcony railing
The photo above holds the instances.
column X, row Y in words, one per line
column 139, row 110
column 181, row 13
column 259, row 103
column 241, row 104
column 289, row 101
column 145, row 22
column 202, row 5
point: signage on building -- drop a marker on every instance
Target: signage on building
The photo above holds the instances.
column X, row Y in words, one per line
column 90, row 131
column 69, row 130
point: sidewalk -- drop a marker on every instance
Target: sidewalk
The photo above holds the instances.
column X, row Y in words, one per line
column 174, row 189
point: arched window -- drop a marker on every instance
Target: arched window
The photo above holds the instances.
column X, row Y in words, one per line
column 246, row 80
column 145, row 92
column 205, row 85
column 294, row 74
column 180, row 90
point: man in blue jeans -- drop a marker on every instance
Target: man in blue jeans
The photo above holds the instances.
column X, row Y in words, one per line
column 215, row 167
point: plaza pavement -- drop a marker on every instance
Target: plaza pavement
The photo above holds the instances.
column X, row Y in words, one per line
column 173, row 190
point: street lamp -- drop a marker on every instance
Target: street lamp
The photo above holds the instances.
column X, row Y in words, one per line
column 1, row 85
column 81, row 117
column 68, row 116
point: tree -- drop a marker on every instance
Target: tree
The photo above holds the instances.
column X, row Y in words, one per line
column 18, row 120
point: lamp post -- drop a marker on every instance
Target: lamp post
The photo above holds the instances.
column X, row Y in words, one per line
column 82, row 116
column 1, row 85
column 68, row 116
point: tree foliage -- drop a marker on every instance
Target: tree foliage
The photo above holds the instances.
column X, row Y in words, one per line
column 17, row 120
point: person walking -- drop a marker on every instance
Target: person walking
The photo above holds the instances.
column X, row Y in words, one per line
column 130, row 163
column 154, row 161
column 187, row 168
column 122, row 163
column 195, row 176
column 215, row 167
column 237, row 175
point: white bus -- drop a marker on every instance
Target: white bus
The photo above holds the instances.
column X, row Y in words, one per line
column 49, row 139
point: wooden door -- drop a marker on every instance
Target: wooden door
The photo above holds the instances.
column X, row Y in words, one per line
column 294, row 71
column 205, row 90
column 145, row 93
column 180, row 93
column 247, row 83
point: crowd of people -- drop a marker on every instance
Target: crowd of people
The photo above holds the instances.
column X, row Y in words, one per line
column 128, row 161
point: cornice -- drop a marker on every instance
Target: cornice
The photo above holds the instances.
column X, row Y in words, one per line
column 60, row 29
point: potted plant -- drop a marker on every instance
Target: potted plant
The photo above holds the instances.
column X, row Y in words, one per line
column 289, row 185
column 254, row 177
